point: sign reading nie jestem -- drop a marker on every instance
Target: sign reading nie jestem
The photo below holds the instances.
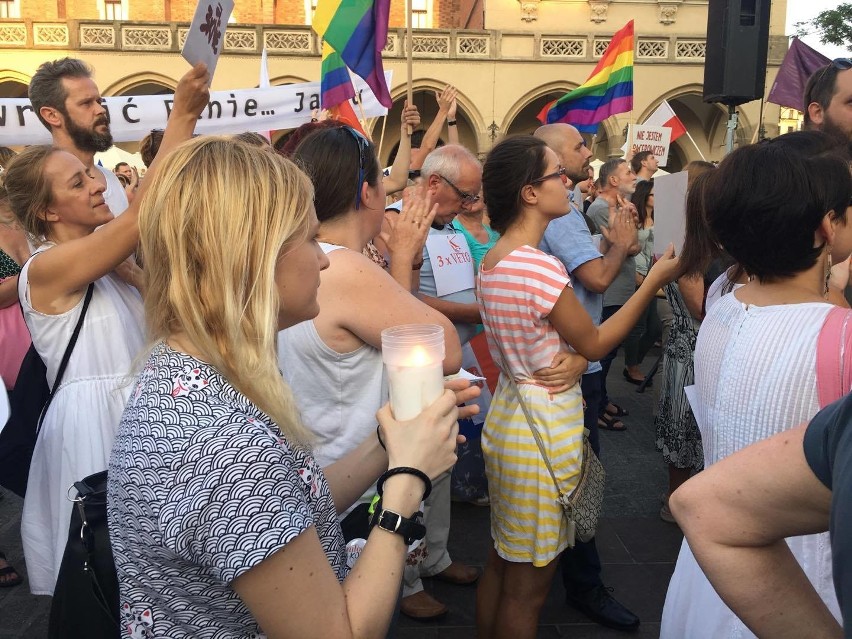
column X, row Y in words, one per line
column 655, row 139
column 133, row 117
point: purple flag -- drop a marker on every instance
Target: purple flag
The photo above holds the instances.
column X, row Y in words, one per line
column 799, row 63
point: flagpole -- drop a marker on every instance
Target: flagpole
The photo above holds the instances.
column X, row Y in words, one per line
column 409, row 57
column 695, row 145
column 382, row 137
column 363, row 118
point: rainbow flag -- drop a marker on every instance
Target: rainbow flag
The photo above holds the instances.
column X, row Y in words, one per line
column 607, row 91
column 358, row 31
column 335, row 84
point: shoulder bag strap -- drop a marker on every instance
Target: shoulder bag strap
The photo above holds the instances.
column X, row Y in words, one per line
column 67, row 355
column 833, row 344
column 504, row 367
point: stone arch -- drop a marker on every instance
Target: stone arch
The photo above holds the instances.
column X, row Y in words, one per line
column 706, row 123
column 287, row 79
column 13, row 84
column 521, row 117
column 147, row 83
column 470, row 122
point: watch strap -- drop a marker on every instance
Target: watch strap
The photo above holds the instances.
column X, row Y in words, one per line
column 410, row 530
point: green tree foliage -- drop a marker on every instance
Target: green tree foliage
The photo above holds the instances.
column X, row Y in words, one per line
column 833, row 26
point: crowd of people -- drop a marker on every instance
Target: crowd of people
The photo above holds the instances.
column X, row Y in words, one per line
column 221, row 323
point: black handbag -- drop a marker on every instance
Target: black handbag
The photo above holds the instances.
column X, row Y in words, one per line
column 85, row 600
column 28, row 404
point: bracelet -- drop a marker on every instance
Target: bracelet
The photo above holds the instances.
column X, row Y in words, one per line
column 405, row 470
column 417, row 267
column 451, row 122
column 314, row 120
column 379, row 435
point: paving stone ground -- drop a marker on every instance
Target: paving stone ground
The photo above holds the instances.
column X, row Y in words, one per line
column 637, row 549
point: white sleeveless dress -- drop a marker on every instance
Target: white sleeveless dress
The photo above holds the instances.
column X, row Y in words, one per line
column 80, row 425
column 755, row 373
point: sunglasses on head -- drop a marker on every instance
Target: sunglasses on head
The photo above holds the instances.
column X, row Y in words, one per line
column 840, row 64
column 363, row 148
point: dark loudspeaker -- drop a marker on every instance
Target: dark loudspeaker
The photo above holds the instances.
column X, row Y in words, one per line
column 737, row 43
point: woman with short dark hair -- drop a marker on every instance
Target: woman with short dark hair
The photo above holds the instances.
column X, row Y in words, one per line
column 778, row 208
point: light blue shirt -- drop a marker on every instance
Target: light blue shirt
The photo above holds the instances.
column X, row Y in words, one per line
column 568, row 239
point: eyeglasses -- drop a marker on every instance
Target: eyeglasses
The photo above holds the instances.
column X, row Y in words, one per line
column 841, row 64
column 363, row 148
column 466, row 198
column 561, row 173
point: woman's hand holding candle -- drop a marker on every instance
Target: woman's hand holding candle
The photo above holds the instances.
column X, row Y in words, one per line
column 428, row 442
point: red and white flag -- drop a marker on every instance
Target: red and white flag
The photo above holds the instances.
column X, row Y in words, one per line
column 665, row 116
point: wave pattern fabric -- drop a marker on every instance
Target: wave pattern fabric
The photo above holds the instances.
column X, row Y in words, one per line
column 202, row 488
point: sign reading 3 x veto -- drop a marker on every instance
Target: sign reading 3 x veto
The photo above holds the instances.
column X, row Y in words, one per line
column 133, row 117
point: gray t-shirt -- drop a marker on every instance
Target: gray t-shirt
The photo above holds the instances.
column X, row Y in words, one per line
column 828, row 451
column 427, row 287
column 624, row 284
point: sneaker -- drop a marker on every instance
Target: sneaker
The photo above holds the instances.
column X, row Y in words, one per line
column 601, row 607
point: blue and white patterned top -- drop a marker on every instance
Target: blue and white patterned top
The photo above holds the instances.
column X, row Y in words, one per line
column 203, row 487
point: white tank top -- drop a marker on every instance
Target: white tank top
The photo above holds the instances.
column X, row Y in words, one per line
column 338, row 394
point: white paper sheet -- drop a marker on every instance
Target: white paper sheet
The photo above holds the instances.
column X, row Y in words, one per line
column 669, row 212
column 206, row 37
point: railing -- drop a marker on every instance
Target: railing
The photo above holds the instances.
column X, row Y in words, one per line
column 287, row 40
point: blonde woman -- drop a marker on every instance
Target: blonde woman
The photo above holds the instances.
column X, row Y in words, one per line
column 221, row 521
column 60, row 204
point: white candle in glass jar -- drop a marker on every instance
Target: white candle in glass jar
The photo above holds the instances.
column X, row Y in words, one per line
column 414, row 356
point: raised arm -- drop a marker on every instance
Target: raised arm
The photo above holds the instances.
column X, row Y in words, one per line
column 452, row 127
column 398, row 178
column 58, row 276
column 433, row 133
column 574, row 325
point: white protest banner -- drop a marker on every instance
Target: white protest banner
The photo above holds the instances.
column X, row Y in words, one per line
column 655, row 139
column 669, row 212
column 133, row 117
column 206, row 35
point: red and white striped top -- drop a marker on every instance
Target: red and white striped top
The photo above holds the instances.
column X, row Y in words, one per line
column 516, row 296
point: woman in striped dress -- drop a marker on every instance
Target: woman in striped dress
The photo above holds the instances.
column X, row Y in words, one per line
column 531, row 313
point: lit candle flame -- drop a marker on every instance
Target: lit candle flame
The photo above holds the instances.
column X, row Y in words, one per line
column 418, row 356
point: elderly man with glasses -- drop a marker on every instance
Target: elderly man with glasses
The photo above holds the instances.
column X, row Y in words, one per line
column 453, row 177
column 828, row 99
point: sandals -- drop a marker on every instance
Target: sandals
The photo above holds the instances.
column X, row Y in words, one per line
column 611, row 422
column 5, row 572
column 619, row 411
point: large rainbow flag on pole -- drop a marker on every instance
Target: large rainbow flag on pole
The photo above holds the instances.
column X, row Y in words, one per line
column 335, row 84
column 607, row 91
column 358, row 31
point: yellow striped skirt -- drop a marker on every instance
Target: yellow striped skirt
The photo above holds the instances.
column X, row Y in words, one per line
column 527, row 523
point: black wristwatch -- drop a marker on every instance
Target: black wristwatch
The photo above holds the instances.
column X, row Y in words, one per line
column 411, row 530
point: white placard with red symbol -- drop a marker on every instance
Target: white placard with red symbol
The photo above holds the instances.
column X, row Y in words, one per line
column 206, row 37
column 452, row 263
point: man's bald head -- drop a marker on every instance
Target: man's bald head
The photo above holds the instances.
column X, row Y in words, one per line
column 569, row 146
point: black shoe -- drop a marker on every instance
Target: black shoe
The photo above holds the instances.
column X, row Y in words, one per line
column 601, row 607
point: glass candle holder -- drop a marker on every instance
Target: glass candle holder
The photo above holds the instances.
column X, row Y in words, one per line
column 414, row 357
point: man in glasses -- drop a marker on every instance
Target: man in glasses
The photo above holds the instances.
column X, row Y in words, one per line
column 453, row 177
column 828, row 99
column 67, row 101
column 592, row 272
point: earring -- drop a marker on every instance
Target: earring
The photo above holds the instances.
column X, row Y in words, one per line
column 827, row 273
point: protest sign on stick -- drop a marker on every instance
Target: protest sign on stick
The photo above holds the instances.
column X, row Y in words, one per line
column 206, row 37
column 669, row 212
